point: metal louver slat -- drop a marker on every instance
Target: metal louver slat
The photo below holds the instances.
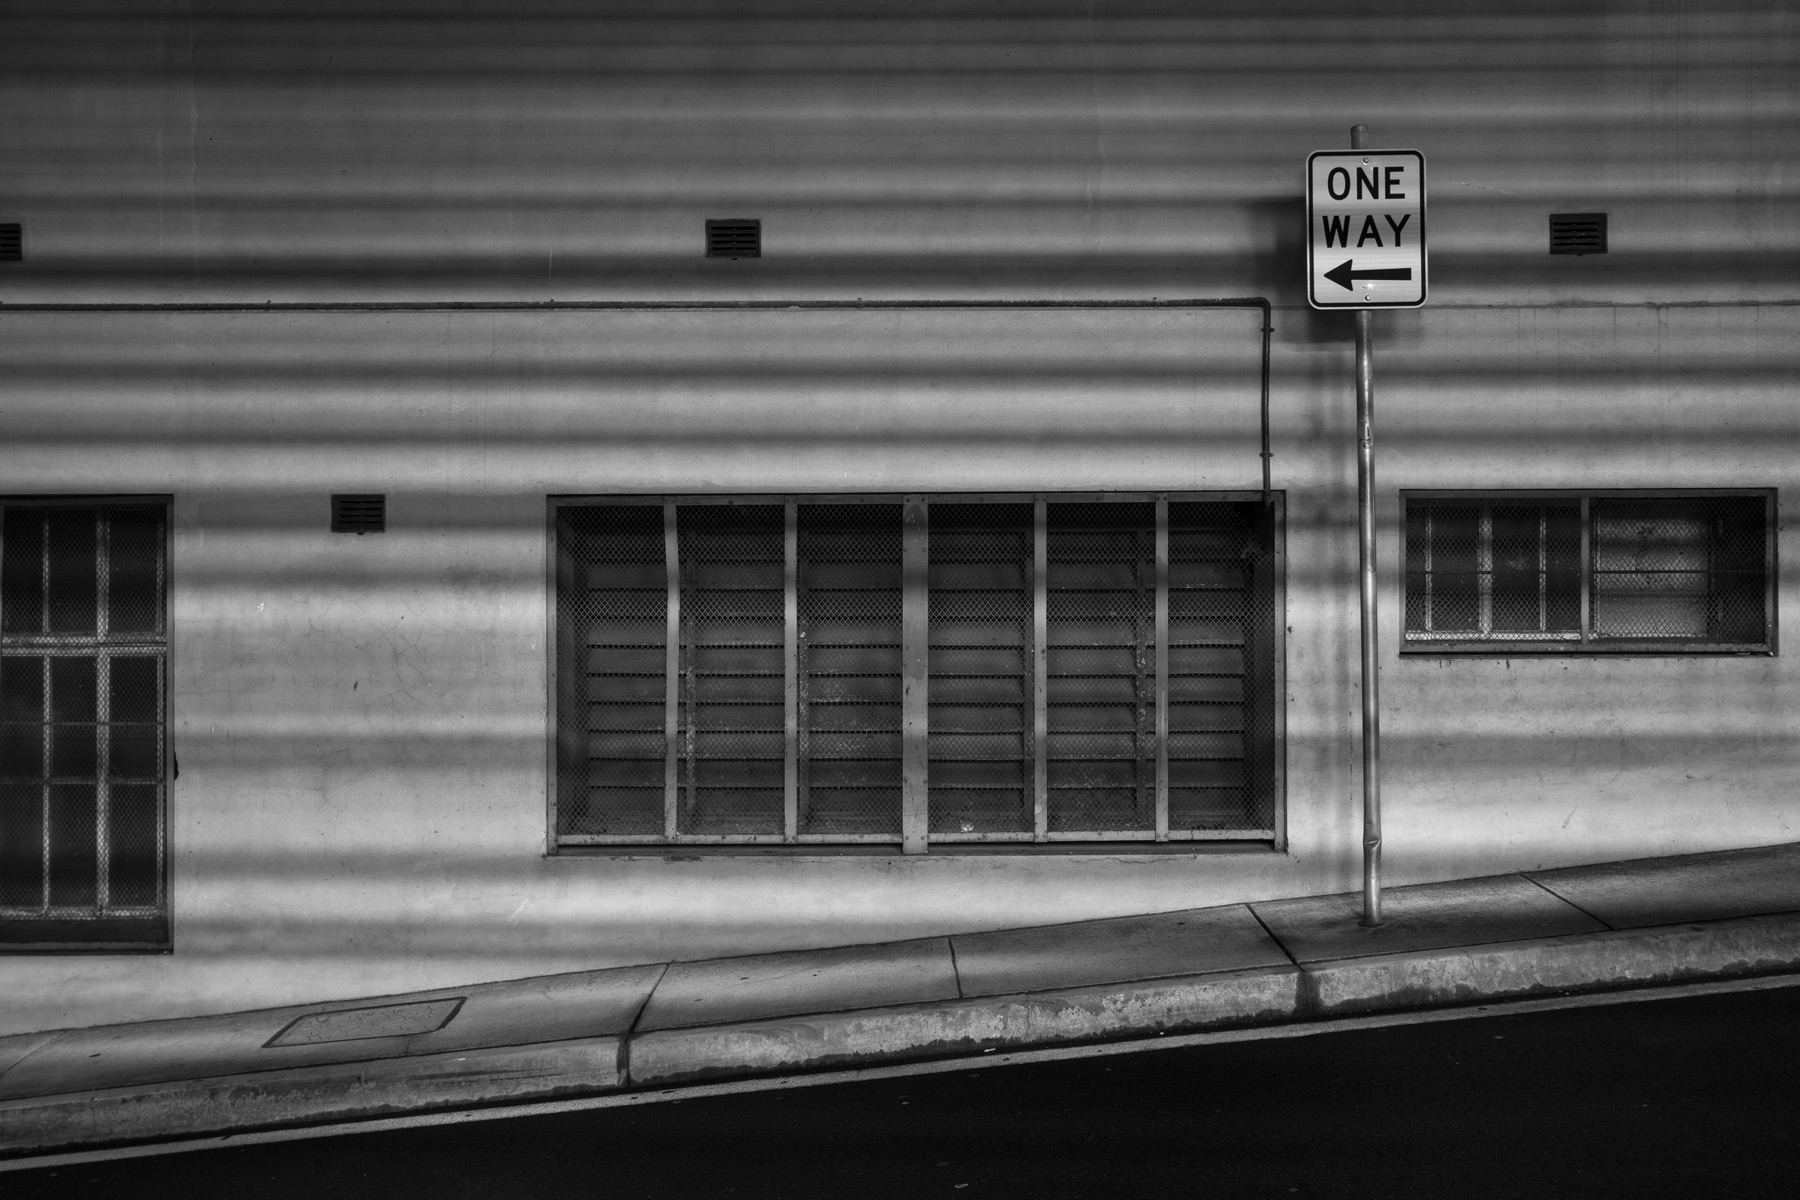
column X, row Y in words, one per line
column 981, row 670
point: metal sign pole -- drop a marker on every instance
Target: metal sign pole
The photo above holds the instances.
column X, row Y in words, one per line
column 1371, row 662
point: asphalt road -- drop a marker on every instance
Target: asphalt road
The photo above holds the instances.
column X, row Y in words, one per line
column 1692, row 1098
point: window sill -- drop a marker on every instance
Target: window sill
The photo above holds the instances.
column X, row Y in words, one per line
column 947, row 850
column 107, row 935
column 1567, row 649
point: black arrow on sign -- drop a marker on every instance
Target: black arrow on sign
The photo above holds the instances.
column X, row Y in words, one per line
column 1343, row 273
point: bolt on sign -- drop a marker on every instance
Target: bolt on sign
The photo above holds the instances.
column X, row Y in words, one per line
column 1365, row 212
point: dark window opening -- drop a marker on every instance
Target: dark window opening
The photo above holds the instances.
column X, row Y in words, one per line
column 1078, row 670
column 83, row 666
column 1598, row 572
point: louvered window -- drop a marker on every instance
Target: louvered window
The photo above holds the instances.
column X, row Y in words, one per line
column 1572, row 572
column 916, row 671
column 83, row 674
column 848, row 671
column 981, row 669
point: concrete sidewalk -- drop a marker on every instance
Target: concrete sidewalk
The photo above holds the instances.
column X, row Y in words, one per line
column 1619, row 925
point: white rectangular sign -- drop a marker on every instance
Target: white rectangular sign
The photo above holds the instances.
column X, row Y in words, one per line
column 1365, row 216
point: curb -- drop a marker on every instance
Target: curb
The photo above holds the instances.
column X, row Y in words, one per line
column 1578, row 962
column 672, row 1056
column 1590, row 962
column 311, row 1095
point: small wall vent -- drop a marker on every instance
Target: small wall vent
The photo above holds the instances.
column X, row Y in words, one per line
column 1578, row 233
column 358, row 513
column 12, row 242
column 734, row 239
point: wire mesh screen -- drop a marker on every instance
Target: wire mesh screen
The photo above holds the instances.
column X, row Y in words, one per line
column 1221, row 703
column 789, row 664
column 981, row 669
column 1680, row 569
column 1487, row 570
column 849, row 668
column 612, row 623
column 730, row 747
column 82, row 659
column 1101, row 701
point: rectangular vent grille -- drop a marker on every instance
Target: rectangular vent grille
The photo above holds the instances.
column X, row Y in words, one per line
column 1578, row 233
column 12, row 242
column 734, row 239
column 358, row 513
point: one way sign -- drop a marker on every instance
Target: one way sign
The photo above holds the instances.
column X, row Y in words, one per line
column 1365, row 213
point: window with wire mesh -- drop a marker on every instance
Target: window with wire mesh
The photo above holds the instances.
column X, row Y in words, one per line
column 1223, row 742
column 1101, row 693
column 848, row 671
column 758, row 692
column 980, row 667
column 83, row 656
column 1590, row 572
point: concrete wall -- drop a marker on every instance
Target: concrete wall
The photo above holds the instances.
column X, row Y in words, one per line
column 360, row 721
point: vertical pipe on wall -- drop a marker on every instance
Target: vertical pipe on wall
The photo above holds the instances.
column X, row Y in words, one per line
column 1371, row 663
column 1268, row 330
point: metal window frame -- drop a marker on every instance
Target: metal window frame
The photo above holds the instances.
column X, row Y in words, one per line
column 915, row 837
column 1585, row 643
column 107, row 929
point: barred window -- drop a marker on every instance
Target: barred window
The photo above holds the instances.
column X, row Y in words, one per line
column 1572, row 572
column 915, row 671
column 83, row 667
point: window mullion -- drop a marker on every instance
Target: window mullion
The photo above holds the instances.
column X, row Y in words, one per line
column 915, row 653
column 1543, row 569
column 1162, row 669
column 1430, row 564
column 1586, row 570
column 1040, row 681
column 671, row 670
column 1484, row 571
